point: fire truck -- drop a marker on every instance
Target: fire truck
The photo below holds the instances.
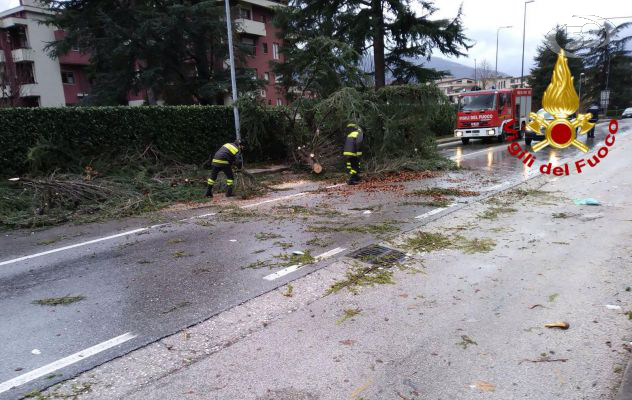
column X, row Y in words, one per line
column 491, row 113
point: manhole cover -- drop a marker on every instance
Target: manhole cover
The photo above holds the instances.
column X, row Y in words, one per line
column 376, row 254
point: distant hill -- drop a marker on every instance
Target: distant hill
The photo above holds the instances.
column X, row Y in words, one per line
column 454, row 68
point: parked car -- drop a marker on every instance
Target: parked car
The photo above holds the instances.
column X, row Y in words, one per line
column 530, row 136
column 627, row 113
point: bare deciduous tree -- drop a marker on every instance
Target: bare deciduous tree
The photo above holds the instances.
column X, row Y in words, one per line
column 486, row 75
column 10, row 84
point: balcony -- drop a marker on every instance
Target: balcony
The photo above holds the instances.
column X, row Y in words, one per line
column 265, row 3
column 30, row 89
column 11, row 22
column 20, row 55
column 251, row 27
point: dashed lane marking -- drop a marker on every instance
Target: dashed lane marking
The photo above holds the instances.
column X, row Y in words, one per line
column 433, row 212
column 64, row 362
column 89, row 242
column 73, row 246
column 296, row 267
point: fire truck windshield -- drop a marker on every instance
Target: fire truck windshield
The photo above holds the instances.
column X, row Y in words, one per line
column 477, row 102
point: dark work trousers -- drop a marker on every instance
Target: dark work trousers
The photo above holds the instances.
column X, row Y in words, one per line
column 227, row 170
column 353, row 167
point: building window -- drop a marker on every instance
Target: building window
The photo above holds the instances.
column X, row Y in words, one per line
column 251, row 73
column 275, row 51
column 278, row 78
column 245, row 13
column 25, row 73
column 263, row 93
column 266, row 76
column 264, row 19
column 279, row 102
column 68, row 77
column 265, row 48
column 250, row 46
column 31, row 101
column 19, row 38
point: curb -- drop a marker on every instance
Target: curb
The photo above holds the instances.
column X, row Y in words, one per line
column 625, row 390
column 448, row 140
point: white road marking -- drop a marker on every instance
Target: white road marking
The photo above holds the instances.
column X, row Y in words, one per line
column 330, row 253
column 282, row 272
column 44, row 253
column 15, row 260
column 275, row 199
column 296, row 267
column 200, row 216
column 500, row 185
column 158, row 226
column 64, row 362
column 474, row 153
column 433, row 212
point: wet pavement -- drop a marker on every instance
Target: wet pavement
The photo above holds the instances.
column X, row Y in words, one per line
column 164, row 277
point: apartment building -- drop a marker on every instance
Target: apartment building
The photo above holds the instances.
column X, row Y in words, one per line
column 28, row 74
column 510, row 82
column 259, row 35
column 30, row 77
column 451, row 86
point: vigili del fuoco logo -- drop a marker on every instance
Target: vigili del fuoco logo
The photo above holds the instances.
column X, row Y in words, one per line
column 561, row 101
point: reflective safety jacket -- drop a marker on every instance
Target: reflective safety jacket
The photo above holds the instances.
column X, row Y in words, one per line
column 228, row 154
column 353, row 144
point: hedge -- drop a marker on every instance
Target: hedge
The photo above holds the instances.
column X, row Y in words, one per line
column 72, row 137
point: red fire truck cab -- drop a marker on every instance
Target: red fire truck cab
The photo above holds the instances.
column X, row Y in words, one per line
column 487, row 113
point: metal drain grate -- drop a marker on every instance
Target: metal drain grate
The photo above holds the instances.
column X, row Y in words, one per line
column 378, row 255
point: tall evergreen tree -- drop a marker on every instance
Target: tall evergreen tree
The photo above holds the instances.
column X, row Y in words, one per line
column 391, row 30
column 174, row 49
column 610, row 66
column 545, row 62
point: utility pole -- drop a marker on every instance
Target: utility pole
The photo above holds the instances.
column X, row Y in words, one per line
column 233, row 79
column 475, row 78
column 524, row 32
column 496, row 74
column 581, row 76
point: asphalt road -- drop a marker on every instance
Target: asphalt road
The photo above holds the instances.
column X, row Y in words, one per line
column 141, row 282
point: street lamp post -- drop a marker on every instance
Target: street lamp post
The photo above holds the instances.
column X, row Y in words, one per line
column 524, row 32
column 497, row 31
column 233, row 79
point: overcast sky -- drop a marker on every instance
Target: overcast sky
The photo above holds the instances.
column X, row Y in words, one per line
column 5, row 4
column 482, row 17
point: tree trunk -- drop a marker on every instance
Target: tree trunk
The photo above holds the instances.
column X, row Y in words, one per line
column 378, row 43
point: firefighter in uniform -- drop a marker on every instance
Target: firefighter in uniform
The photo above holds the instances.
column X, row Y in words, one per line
column 223, row 160
column 352, row 152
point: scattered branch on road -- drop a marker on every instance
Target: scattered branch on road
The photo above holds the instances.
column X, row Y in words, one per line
column 362, row 275
column 59, row 301
column 348, row 313
column 466, row 341
column 544, row 359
